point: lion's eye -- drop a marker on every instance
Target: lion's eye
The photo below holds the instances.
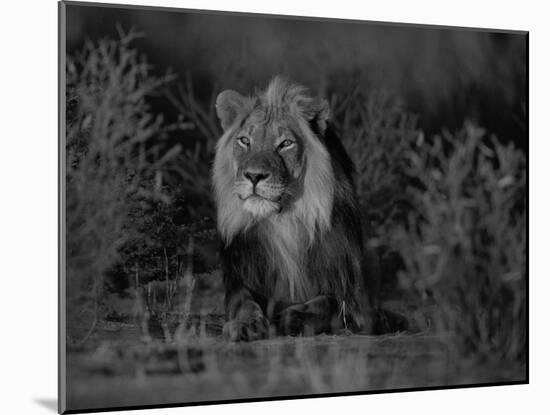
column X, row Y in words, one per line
column 243, row 141
column 286, row 144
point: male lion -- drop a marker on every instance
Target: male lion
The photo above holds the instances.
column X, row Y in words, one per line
column 292, row 251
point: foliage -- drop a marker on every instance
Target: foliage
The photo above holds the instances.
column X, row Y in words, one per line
column 464, row 242
column 192, row 168
column 114, row 160
column 377, row 132
column 448, row 214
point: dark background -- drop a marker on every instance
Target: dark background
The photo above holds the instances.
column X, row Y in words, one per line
column 446, row 75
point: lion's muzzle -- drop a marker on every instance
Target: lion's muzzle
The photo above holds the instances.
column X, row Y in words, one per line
column 261, row 183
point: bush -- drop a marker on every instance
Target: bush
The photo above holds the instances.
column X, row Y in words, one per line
column 464, row 243
column 114, row 162
column 377, row 133
column 447, row 215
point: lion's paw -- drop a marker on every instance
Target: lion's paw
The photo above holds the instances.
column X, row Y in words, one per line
column 292, row 321
column 247, row 329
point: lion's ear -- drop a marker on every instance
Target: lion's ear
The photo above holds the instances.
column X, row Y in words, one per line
column 317, row 112
column 229, row 105
column 322, row 115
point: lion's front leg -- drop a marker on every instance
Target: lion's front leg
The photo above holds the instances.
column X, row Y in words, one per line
column 317, row 315
column 246, row 320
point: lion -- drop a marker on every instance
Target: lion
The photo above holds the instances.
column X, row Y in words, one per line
column 292, row 252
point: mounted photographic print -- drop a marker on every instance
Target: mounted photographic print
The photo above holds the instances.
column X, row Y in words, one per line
column 258, row 207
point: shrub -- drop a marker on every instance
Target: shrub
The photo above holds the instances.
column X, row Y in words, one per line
column 191, row 170
column 114, row 161
column 377, row 132
column 464, row 243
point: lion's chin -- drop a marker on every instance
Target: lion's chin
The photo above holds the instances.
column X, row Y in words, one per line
column 260, row 207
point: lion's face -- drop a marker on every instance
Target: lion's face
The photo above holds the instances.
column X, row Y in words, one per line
column 268, row 160
column 271, row 161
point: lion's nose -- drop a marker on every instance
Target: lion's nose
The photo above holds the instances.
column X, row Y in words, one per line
column 256, row 177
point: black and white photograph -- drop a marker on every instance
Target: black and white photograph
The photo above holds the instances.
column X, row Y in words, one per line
column 258, row 207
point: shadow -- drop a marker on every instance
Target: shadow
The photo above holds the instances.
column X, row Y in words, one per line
column 48, row 403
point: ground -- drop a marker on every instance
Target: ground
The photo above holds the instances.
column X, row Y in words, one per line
column 120, row 366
